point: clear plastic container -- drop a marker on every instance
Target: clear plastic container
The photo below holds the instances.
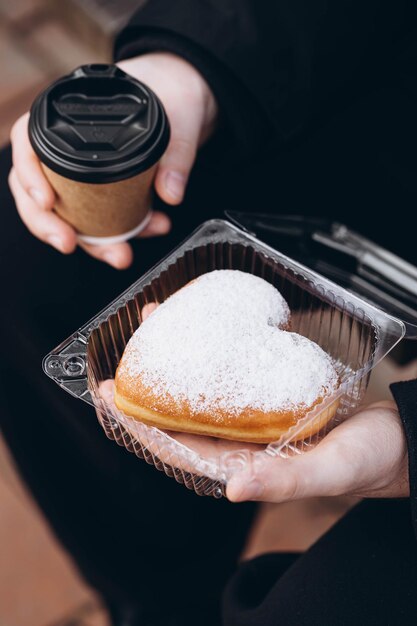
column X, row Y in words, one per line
column 355, row 333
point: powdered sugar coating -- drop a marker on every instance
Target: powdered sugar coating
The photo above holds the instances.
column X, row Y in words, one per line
column 217, row 345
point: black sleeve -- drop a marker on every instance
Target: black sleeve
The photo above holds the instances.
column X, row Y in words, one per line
column 405, row 395
column 274, row 66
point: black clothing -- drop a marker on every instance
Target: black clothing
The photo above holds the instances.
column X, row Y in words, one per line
column 318, row 114
column 293, row 60
column 405, row 395
column 329, row 89
column 361, row 572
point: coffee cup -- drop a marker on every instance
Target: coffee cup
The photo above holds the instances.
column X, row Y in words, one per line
column 99, row 134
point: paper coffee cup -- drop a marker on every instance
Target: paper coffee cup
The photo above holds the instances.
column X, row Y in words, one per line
column 99, row 134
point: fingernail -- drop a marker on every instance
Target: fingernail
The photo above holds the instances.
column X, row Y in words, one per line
column 253, row 490
column 111, row 259
column 245, row 490
column 56, row 242
column 158, row 227
column 37, row 196
column 174, row 184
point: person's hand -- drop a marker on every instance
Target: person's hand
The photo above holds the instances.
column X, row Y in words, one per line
column 191, row 109
column 192, row 112
column 365, row 456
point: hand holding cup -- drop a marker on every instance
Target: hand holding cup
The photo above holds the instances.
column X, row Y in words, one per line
column 192, row 111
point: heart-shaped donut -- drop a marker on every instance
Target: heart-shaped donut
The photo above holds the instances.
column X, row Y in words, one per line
column 217, row 358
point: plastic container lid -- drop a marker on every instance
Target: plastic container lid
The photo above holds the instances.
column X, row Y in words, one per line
column 333, row 250
column 98, row 125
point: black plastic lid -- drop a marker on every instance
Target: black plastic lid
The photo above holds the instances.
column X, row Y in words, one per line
column 98, row 125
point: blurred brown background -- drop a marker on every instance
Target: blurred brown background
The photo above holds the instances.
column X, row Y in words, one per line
column 40, row 40
column 43, row 39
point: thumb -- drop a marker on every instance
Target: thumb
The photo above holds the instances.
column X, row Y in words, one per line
column 274, row 479
column 366, row 454
column 175, row 166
